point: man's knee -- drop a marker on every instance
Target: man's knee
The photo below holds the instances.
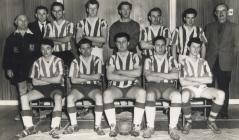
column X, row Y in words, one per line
column 220, row 96
column 140, row 94
column 176, row 97
column 186, row 95
column 150, row 96
column 108, row 96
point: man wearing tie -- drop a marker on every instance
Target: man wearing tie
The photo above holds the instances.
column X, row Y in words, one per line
column 38, row 27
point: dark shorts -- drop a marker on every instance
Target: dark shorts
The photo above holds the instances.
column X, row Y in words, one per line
column 66, row 56
column 163, row 88
column 49, row 91
column 85, row 89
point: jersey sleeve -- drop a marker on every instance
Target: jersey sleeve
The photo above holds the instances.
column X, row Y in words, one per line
column 136, row 61
column 103, row 23
column 70, row 29
column 143, row 35
column 73, row 69
column 202, row 36
column 147, row 64
column 35, row 71
column 173, row 64
column 206, row 69
column 59, row 67
column 98, row 66
column 174, row 40
column 167, row 33
column 111, row 61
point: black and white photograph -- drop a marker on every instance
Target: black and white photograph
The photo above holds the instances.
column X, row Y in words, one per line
column 119, row 69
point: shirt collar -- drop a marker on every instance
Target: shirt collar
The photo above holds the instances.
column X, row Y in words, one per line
column 28, row 31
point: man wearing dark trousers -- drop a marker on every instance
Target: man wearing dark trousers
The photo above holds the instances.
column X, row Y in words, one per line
column 221, row 48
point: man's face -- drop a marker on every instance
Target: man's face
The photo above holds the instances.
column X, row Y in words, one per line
column 122, row 44
column 125, row 11
column 221, row 13
column 155, row 17
column 189, row 19
column 46, row 50
column 85, row 49
column 57, row 12
column 41, row 15
column 92, row 10
column 160, row 47
column 194, row 49
column 22, row 22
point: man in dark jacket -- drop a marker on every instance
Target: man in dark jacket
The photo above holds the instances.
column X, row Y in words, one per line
column 221, row 47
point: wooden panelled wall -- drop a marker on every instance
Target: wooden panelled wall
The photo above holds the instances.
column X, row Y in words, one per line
column 74, row 11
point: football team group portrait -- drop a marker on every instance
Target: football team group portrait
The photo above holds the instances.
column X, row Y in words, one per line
column 140, row 60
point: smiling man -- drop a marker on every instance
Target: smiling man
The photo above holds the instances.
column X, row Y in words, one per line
column 93, row 28
column 182, row 34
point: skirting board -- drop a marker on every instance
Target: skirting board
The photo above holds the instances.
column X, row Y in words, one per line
column 15, row 102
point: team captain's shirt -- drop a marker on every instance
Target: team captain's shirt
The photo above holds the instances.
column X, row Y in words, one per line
column 161, row 65
column 64, row 29
column 43, row 68
column 93, row 29
column 195, row 69
column 129, row 62
column 181, row 35
column 149, row 33
column 80, row 66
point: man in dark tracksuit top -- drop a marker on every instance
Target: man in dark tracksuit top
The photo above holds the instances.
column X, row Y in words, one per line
column 19, row 54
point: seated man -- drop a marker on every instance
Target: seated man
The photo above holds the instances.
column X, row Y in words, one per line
column 160, row 71
column 194, row 76
column 46, row 77
column 85, row 73
column 123, row 69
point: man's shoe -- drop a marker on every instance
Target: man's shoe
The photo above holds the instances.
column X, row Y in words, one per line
column 135, row 130
column 71, row 129
column 186, row 128
column 54, row 133
column 173, row 134
column 212, row 125
column 113, row 131
column 99, row 131
column 148, row 132
column 28, row 131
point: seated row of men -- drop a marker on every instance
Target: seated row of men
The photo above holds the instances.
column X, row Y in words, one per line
column 123, row 71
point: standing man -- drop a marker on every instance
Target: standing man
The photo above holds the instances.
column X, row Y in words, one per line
column 19, row 54
column 161, row 70
column 127, row 25
column 155, row 29
column 123, row 69
column 38, row 27
column 60, row 31
column 222, row 44
column 182, row 34
column 93, row 28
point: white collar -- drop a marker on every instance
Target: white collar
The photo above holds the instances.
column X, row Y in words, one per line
column 27, row 31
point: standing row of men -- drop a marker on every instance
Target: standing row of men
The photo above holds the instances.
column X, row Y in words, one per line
column 123, row 68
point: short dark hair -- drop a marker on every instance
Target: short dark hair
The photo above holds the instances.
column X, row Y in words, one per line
column 227, row 7
column 194, row 40
column 189, row 11
column 124, row 3
column 155, row 9
column 47, row 42
column 122, row 34
column 83, row 41
column 91, row 2
column 57, row 4
column 40, row 7
column 159, row 38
